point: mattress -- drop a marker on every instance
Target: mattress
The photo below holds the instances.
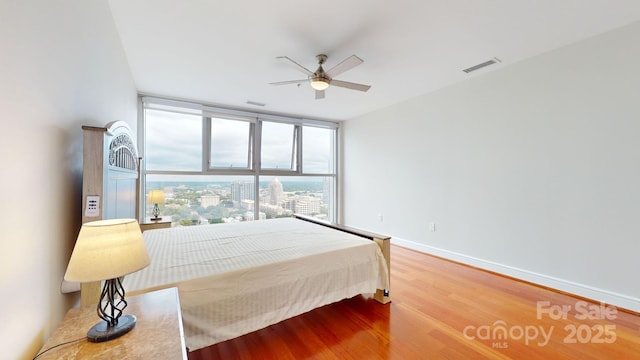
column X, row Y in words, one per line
column 240, row 277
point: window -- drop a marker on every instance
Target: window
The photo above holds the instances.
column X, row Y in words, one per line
column 231, row 144
column 278, row 150
column 220, row 165
column 204, row 199
column 173, row 141
column 285, row 196
column 318, row 150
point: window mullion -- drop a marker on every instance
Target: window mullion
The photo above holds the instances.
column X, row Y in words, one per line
column 257, row 147
column 257, row 135
column 298, row 151
column 294, row 150
column 206, row 143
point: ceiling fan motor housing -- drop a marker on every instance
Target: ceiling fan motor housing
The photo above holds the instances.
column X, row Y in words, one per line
column 320, row 80
column 321, row 58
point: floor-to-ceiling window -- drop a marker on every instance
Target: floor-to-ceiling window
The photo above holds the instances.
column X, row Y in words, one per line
column 220, row 165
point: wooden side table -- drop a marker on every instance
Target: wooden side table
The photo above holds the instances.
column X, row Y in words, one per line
column 158, row 333
column 148, row 224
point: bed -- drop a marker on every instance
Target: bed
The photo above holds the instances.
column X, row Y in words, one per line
column 232, row 278
column 240, row 277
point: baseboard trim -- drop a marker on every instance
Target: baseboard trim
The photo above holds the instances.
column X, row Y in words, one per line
column 599, row 295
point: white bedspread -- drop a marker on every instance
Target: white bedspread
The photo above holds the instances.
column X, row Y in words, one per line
column 237, row 278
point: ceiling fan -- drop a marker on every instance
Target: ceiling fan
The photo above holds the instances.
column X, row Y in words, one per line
column 320, row 79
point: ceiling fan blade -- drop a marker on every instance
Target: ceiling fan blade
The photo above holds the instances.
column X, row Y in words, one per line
column 289, row 82
column 319, row 94
column 350, row 85
column 300, row 67
column 346, row 64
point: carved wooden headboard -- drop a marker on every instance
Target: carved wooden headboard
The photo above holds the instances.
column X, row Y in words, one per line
column 110, row 171
column 123, row 153
column 110, row 179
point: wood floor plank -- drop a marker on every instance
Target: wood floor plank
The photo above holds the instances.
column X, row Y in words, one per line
column 442, row 310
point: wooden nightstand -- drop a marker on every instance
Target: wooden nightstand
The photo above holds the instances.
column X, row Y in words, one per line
column 148, row 224
column 158, row 333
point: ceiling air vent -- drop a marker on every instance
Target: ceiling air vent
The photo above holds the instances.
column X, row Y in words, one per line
column 255, row 103
column 482, row 65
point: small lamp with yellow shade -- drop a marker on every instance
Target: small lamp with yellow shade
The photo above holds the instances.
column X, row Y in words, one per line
column 155, row 197
column 108, row 250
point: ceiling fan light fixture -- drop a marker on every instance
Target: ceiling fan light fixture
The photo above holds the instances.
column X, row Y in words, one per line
column 321, row 80
column 319, row 84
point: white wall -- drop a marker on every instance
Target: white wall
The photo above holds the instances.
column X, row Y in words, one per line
column 532, row 170
column 61, row 66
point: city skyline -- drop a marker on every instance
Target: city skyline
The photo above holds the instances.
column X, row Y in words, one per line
column 200, row 202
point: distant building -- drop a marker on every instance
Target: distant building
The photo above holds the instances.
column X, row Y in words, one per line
column 242, row 190
column 209, row 200
column 289, row 204
column 247, row 204
column 307, row 205
column 327, row 187
column 276, row 194
column 273, row 211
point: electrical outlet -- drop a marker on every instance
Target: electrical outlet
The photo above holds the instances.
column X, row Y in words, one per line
column 380, row 217
column 432, row 226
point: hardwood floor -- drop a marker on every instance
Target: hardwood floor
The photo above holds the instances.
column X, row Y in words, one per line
column 444, row 310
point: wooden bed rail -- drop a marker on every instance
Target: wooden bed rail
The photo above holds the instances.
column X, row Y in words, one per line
column 383, row 241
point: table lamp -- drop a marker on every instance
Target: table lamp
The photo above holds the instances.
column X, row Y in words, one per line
column 155, row 197
column 108, row 250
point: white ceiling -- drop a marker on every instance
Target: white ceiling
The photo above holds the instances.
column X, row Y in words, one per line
column 224, row 52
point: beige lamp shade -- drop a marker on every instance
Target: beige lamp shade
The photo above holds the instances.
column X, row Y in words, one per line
column 155, row 197
column 107, row 249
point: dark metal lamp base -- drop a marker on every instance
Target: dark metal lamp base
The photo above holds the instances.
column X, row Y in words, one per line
column 101, row 331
